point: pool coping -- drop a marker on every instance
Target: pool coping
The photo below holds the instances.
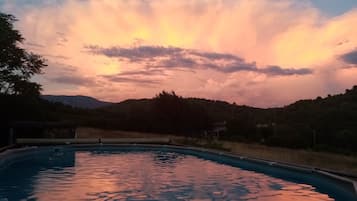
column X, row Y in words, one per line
column 285, row 165
column 166, row 142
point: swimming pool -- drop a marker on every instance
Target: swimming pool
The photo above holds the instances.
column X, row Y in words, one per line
column 137, row 172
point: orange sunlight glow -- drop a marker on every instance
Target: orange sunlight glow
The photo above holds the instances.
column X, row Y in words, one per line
column 289, row 34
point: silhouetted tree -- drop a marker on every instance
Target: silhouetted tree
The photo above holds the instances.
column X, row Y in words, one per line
column 178, row 115
column 17, row 65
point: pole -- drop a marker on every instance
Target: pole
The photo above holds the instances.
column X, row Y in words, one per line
column 11, row 136
column 313, row 138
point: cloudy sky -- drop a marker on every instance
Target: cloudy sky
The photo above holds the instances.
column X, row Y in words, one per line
column 255, row 52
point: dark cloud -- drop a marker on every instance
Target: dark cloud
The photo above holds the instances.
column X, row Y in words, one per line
column 216, row 56
column 134, row 80
column 175, row 57
column 277, row 70
column 136, row 53
column 144, row 77
column 145, row 72
column 173, row 62
column 73, row 80
column 350, row 57
column 56, row 56
column 236, row 67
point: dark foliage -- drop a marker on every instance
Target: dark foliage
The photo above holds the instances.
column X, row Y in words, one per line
column 17, row 65
column 322, row 124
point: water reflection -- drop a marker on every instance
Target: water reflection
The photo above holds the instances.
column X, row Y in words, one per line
column 18, row 180
column 85, row 175
column 167, row 158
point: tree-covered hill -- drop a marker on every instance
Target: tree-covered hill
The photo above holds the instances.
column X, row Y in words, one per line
column 76, row 101
column 323, row 123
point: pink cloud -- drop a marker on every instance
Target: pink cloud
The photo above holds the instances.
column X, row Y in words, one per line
column 283, row 37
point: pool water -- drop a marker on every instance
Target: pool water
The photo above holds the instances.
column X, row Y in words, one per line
column 153, row 174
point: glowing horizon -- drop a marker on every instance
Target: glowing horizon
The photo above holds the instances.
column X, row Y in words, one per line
column 260, row 53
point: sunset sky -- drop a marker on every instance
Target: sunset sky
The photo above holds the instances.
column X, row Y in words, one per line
column 256, row 52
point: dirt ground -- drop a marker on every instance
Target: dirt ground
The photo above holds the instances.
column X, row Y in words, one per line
column 337, row 162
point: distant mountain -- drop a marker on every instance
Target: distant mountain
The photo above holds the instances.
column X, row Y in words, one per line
column 77, row 101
